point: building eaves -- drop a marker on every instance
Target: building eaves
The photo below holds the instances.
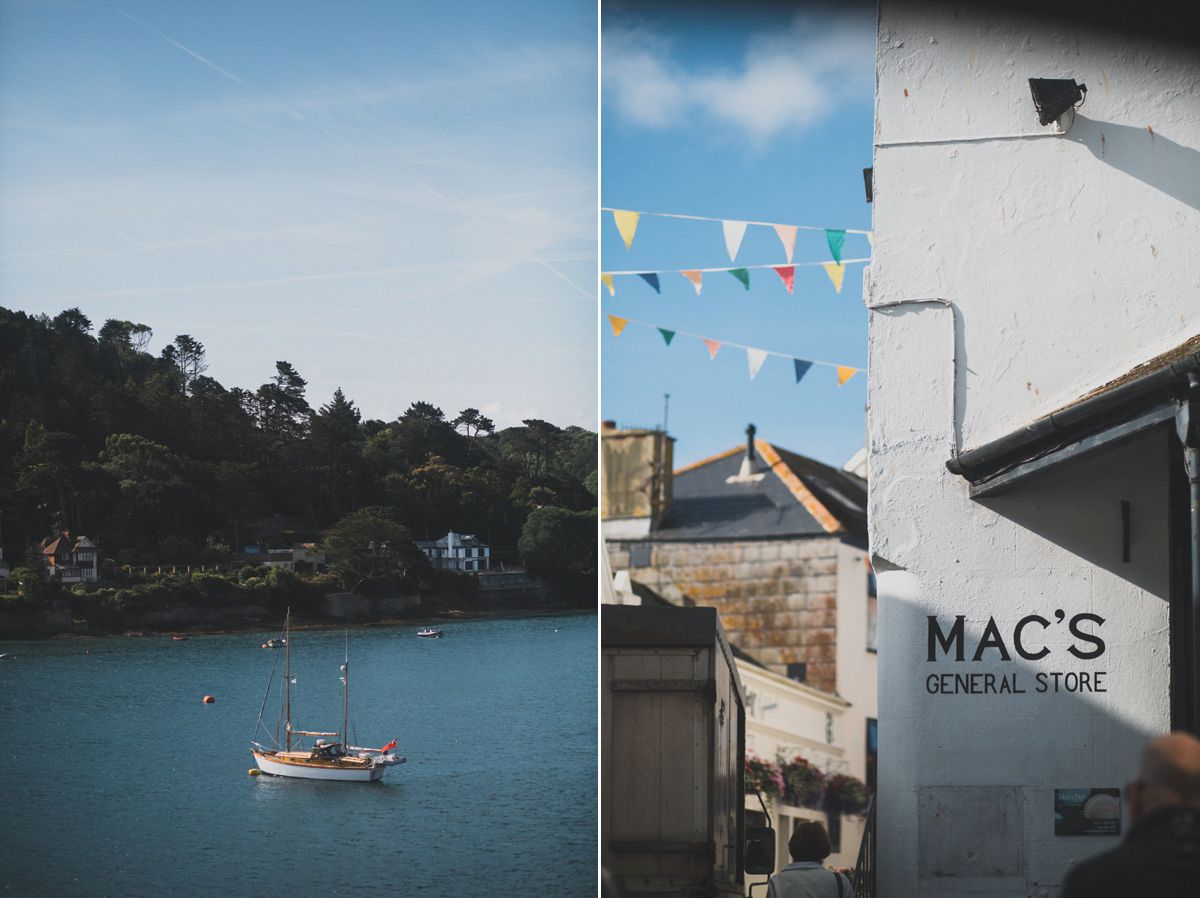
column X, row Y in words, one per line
column 1144, row 398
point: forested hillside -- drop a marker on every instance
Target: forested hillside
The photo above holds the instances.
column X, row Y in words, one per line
column 158, row 463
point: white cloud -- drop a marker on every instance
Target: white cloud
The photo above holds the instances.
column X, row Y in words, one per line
column 784, row 81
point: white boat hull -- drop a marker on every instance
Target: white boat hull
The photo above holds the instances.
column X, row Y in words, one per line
column 319, row 771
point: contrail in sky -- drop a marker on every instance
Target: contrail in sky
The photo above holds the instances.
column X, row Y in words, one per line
column 211, row 65
column 337, row 137
column 119, row 234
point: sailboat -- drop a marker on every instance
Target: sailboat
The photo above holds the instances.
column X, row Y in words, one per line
column 330, row 757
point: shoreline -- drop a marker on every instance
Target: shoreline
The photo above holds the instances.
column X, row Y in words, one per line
column 259, row 626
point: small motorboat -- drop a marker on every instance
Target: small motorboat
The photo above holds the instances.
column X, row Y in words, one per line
column 179, row 638
column 430, row 633
column 274, row 643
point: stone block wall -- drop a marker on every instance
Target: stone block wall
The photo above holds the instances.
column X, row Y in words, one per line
column 777, row 598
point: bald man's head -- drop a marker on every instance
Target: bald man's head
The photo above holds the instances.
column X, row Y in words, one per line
column 1168, row 774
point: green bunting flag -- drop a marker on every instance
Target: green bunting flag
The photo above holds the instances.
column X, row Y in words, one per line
column 837, row 239
column 652, row 279
column 742, row 274
column 667, row 335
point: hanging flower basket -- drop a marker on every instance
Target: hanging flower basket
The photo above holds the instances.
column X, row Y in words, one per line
column 763, row 776
column 803, row 783
column 846, row 794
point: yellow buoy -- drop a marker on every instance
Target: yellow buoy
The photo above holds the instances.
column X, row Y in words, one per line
column 254, row 771
column 208, row 699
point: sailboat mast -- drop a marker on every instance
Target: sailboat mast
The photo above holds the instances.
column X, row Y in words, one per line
column 346, row 693
column 287, row 675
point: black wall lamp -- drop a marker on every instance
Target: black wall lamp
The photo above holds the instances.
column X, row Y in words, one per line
column 1054, row 96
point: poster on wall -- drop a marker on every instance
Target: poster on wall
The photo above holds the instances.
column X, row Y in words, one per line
column 1087, row 812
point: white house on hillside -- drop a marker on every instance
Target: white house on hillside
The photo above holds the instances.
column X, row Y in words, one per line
column 457, row 552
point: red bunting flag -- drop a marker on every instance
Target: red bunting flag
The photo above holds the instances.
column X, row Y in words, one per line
column 788, row 273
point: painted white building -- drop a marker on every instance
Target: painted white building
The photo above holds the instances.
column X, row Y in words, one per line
column 1035, row 307
column 457, row 552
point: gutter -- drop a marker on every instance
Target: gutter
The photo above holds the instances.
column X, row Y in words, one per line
column 1068, row 425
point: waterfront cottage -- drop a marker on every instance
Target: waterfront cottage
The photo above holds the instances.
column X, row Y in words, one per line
column 70, row 559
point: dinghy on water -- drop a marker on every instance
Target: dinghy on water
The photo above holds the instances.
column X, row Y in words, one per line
column 431, row 633
column 326, row 759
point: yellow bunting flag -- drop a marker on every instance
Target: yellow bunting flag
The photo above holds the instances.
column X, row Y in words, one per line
column 836, row 272
column 713, row 346
column 607, row 281
column 755, row 357
column 618, row 325
column 696, row 277
column 787, row 233
column 626, row 224
column 871, row 238
column 844, row 374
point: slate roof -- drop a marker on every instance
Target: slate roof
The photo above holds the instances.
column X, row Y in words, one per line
column 797, row 496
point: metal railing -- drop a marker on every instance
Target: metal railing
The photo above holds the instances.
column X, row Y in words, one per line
column 864, row 867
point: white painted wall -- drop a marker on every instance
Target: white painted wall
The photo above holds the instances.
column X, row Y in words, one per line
column 857, row 668
column 784, row 719
column 1065, row 261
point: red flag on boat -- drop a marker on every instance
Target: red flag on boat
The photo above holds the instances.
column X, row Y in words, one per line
column 390, row 745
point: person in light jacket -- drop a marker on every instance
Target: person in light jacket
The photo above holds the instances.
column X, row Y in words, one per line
column 806, row 876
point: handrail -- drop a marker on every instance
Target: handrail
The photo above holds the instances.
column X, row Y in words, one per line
column 864, row 866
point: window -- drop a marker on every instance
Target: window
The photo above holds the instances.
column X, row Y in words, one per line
column 797, row 670
column 835, row 830
column 872, row 611
column 872, row 752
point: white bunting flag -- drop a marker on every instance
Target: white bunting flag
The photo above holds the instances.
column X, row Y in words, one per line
column 755, row 357
column 734, row 231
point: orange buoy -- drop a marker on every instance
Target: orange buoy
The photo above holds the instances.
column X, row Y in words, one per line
column 208, row 699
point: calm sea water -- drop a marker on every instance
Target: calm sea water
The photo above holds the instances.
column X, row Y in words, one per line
column 117, row 780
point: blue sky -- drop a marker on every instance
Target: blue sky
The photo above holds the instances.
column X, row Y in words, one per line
column 748, row 113
column 397, row 198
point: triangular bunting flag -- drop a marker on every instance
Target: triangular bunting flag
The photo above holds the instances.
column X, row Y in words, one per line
column 618, row 324
column 837, row 239
column 713, row 346
column 755, row 357
column 667, row 335
column 788, row 273
column 607, row 281
column 844, row 374
column 787, row 233
column 696, row 277
column 626, row 224
column 733, row 236
column 871, row 238
column 801, row 368
column 652, row 279
column 836, row 273
column 742, row 274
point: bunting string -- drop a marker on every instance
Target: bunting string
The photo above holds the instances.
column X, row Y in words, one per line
column 626, row 214
column 687, row 271
column 835, row 270
column 754, row 357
